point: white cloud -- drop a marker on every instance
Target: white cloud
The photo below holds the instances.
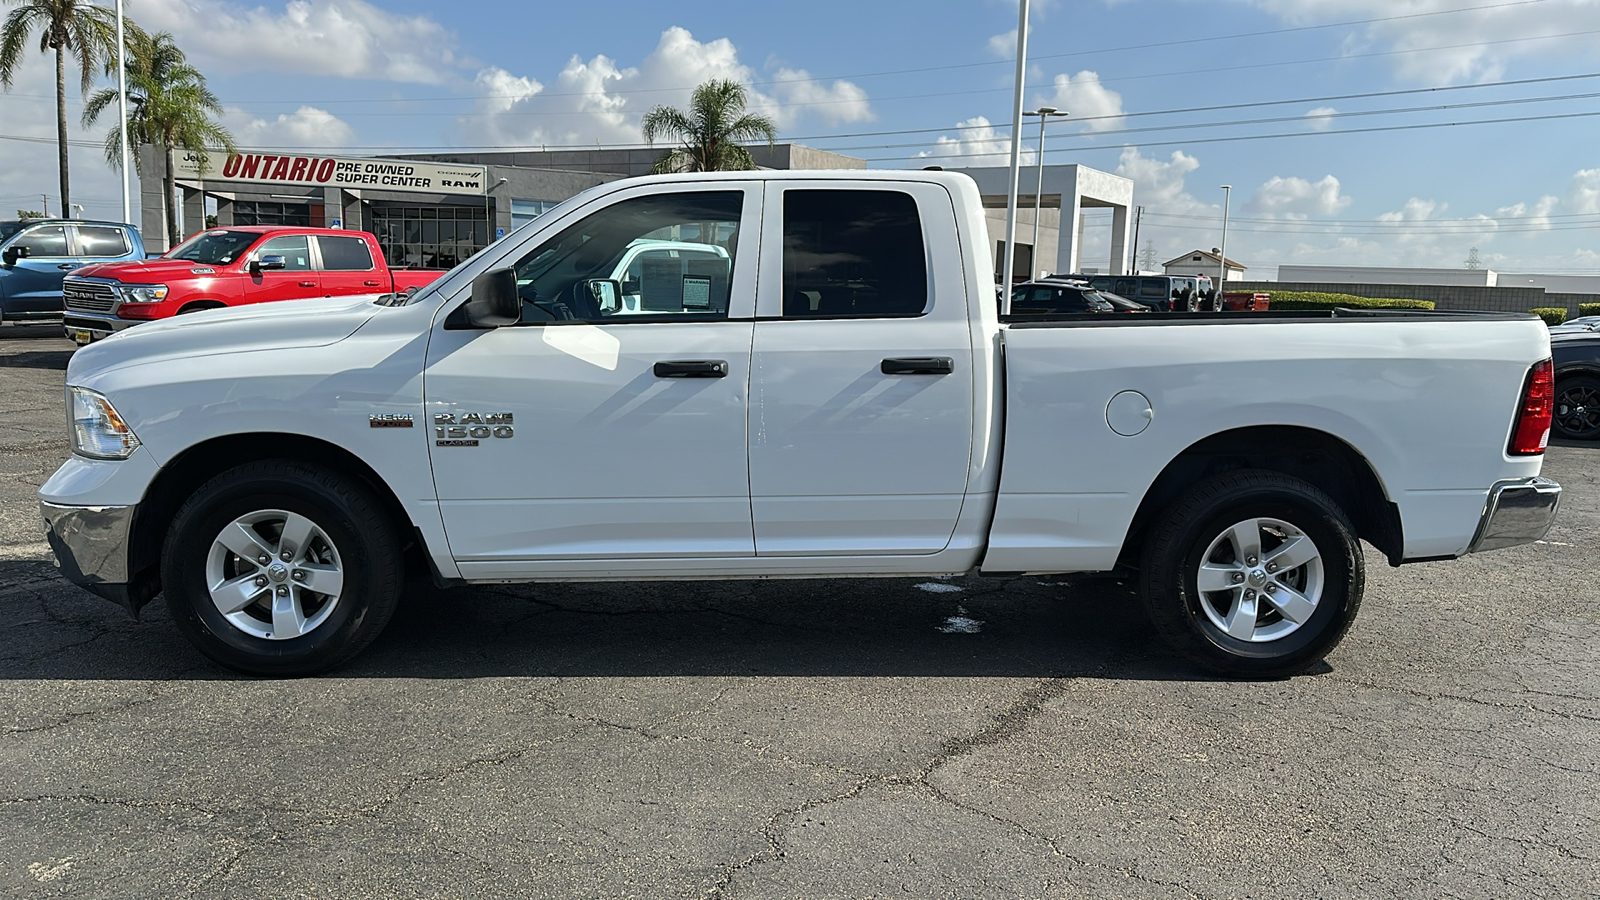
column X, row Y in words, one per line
column 600, row 100
column 1317, row 118
column 307, row 126
column 834, row 104
column 344, row 38
column 1159, row 185
column 1583, row 197
column 1004, row 45
column 1085, row 98
column 1482, row 41
column 1531, row 216
column 978, row 144
column 1297, row 198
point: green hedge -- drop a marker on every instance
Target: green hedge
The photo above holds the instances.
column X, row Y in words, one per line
column 1589, row 309
column 1551, row 315
column 1315, row 300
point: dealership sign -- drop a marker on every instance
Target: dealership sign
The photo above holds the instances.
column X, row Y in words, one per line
column 331, row 171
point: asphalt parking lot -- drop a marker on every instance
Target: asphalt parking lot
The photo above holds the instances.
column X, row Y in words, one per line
column 972, row 738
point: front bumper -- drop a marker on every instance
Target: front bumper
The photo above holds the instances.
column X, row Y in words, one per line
column 1519, row 511
column 92, row 546
column 98, row 325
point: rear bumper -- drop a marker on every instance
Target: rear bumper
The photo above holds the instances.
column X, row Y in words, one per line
column 1519, row 511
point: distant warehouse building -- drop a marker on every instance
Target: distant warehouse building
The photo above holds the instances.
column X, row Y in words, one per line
column 1449, row 288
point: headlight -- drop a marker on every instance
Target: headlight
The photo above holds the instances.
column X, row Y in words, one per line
column 142, row 293
column 97, row 431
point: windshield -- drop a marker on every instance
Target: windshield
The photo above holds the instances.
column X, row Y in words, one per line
column 7, row 229
column 214, row 248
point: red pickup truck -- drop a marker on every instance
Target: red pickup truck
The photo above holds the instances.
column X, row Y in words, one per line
column 230, row 267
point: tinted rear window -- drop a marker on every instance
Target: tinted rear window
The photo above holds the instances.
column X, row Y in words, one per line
column 344, row 254
column 852, row 253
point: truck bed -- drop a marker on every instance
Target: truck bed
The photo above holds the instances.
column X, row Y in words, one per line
column 1425, row 398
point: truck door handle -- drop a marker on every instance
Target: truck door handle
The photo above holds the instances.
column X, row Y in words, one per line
column 370, row 283
column 919, row 365
column 692, row 368
column 67, row 267
column 308, row 284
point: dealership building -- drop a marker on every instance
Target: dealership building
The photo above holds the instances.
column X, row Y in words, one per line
column 437, row 209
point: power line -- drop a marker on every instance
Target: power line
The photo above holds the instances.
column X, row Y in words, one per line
column 932, row 158
column 1279, row 119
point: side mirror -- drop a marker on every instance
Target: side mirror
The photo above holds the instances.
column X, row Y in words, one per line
column 12, row 254
column 271, row 262
column 607, row 295
column 494, row 300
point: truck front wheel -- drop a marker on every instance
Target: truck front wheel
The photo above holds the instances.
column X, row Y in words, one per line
column 280, row 568
column 1253, row 573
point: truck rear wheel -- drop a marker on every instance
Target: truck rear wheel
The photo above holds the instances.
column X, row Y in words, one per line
column 280, row 568
column 1253, row 573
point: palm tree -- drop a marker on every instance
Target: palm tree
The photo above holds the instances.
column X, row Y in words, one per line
column 170, row 107
column 710, row 131
column 78, row 27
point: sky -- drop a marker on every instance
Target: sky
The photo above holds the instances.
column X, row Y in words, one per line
column 1353, row 132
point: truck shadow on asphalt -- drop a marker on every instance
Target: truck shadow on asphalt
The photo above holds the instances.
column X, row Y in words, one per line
column 36, row 359
column 963, row 628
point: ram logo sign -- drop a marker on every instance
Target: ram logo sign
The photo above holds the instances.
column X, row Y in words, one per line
column 466, row 429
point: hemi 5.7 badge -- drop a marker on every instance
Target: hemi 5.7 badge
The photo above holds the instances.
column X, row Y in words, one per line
column 466, row 429
column 389, row 421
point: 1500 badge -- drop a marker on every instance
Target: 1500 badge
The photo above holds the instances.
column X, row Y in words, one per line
column 466, row 429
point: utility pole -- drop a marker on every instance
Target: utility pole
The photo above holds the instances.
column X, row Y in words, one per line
column 45, row 200
column 1008, row 264
column 122, row 116
column 1222, row 264
column 1138, row 218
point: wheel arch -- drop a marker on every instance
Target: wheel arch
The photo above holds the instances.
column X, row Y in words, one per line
column 198, row 305
column 1314, row 456
column 196, row 465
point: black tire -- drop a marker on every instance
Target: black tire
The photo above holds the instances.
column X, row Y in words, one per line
column 1178, row 544
column 355, row 533
column 1577, row 408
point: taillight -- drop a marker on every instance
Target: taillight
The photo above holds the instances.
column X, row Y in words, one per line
column 1533, row 417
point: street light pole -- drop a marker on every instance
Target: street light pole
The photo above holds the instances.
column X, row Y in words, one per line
column 1007, row 265
column 1043, row 112
column 1222, row 264
column 122, row 116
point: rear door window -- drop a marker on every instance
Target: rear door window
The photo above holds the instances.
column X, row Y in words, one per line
column 102, row 240
column 344, row 254
column 852, row 254
column 1153, row 288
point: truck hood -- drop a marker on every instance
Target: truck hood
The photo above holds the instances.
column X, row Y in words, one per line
column 281, row 325
column 146, row 271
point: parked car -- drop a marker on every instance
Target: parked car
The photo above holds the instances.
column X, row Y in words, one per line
column 849, row 403
column 231, row 266
column 36, row 254
column 1122, row 304
column 1045, row 298
column 1582, row 324
column 1166, row 293
column 1246, row 301
column 1577, row 393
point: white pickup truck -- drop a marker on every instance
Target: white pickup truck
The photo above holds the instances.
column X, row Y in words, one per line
column 839, row 397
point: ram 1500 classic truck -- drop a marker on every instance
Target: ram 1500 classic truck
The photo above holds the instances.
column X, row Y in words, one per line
column 231, row 266
column 842, row 399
